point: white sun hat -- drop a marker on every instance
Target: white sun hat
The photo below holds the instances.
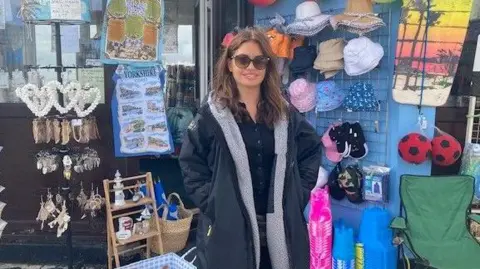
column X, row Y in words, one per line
column 309, row 20
column 361, row 55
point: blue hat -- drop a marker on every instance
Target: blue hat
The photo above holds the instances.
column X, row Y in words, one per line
column 329, row 97
column 361, row 97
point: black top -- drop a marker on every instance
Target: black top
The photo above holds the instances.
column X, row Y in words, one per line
column 260, row 145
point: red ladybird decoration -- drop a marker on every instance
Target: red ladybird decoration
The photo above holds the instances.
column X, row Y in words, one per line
column 414, row 148
column 446, row 150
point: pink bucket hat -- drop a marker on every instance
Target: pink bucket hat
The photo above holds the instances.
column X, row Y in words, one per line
column 331, row 147
column 302, row 95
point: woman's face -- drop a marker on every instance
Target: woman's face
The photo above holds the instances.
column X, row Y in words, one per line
column 248, row 65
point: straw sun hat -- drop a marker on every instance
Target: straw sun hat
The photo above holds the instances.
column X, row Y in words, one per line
column 358, row 18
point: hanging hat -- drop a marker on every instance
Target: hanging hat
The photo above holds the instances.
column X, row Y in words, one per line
column 331, row 147
column 358, row 18
column 329, row 97
column 302, row 95
column 279, row 42
column 296, row 41
column 303, row 58
column 309, row 20
column 336, row 191
column 351, row 180
column 361, row 98
column 330, row 57
column 361, row 56
column 262, row 3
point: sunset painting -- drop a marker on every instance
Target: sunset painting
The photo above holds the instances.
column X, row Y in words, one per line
column 447, row 26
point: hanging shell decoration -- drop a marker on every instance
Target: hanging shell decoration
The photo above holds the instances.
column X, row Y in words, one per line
column 29, row 8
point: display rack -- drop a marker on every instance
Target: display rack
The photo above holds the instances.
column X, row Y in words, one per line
column 117, row 247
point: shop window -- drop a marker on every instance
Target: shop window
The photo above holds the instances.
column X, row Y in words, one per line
column 31, row 47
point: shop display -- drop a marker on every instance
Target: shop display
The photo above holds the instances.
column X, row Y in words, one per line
column 59, row 131
column 71, row 11
column 329, row 96
column 130, row 229
column 376, row 183
column 330, row 57
column 429, row 44
column 320, row 229
column 376, row 239
column 358, row 18
column 41, row 100
column 343, row 255
column 303, row 59
column 415, row 148
column 361, row 56
column 302, row 95
column 351, row 181
column 446, row 150
column 138, row 109
column 361, row 98
column 309, row 20
column 49, row 161
column 132, row 31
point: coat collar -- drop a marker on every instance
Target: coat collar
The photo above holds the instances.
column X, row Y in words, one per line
column 276, row 237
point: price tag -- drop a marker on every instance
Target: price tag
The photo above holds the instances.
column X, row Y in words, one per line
column 77, row 122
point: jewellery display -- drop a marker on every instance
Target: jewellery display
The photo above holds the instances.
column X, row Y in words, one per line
column 81, row 197
column 67, row 167
column 46, row 130
column 61, row 220
column 94, row 203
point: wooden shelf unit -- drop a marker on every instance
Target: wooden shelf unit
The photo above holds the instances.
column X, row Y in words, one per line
column 118, row 247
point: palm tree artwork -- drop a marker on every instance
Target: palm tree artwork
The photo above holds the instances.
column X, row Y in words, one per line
column 431, row 34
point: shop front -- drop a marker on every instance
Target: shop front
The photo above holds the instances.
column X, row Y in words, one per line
column 107, row 90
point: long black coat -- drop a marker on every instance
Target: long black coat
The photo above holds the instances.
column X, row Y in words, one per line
column 217, row 178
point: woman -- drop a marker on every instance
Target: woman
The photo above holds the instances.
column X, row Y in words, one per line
column 249, row 162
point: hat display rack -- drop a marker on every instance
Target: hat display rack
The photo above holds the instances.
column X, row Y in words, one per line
column 374, row 124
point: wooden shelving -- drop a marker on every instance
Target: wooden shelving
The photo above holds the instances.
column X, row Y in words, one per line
column 116, row 246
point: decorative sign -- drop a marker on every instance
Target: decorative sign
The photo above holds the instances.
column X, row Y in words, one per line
column 132, row 31
column 138, row 109
column 94, row 77
column 56, row 10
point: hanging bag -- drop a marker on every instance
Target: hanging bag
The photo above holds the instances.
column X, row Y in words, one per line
column 174, row 232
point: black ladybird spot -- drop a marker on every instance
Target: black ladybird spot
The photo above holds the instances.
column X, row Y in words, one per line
column 405, row 138
column 456, row 154
column 414, row 151
column 400, row 153
column 422, row 138
column 445, row 144
column 439, row 158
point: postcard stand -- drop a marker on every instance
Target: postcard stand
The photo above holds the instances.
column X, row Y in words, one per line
column 118, row 247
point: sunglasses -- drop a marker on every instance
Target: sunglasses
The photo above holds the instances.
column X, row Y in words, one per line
column 243, row 61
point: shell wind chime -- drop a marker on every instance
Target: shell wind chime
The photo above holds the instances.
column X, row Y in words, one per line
column 2, row 206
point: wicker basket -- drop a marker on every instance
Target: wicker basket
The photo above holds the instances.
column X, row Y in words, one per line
column 174, row 232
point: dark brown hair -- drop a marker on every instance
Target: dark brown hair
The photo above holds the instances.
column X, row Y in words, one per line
column 272, row 106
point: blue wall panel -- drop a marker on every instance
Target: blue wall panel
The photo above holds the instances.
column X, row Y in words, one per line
column 394, row 120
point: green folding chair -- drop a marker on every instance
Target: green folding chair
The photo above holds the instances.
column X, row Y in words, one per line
column 434, row 223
